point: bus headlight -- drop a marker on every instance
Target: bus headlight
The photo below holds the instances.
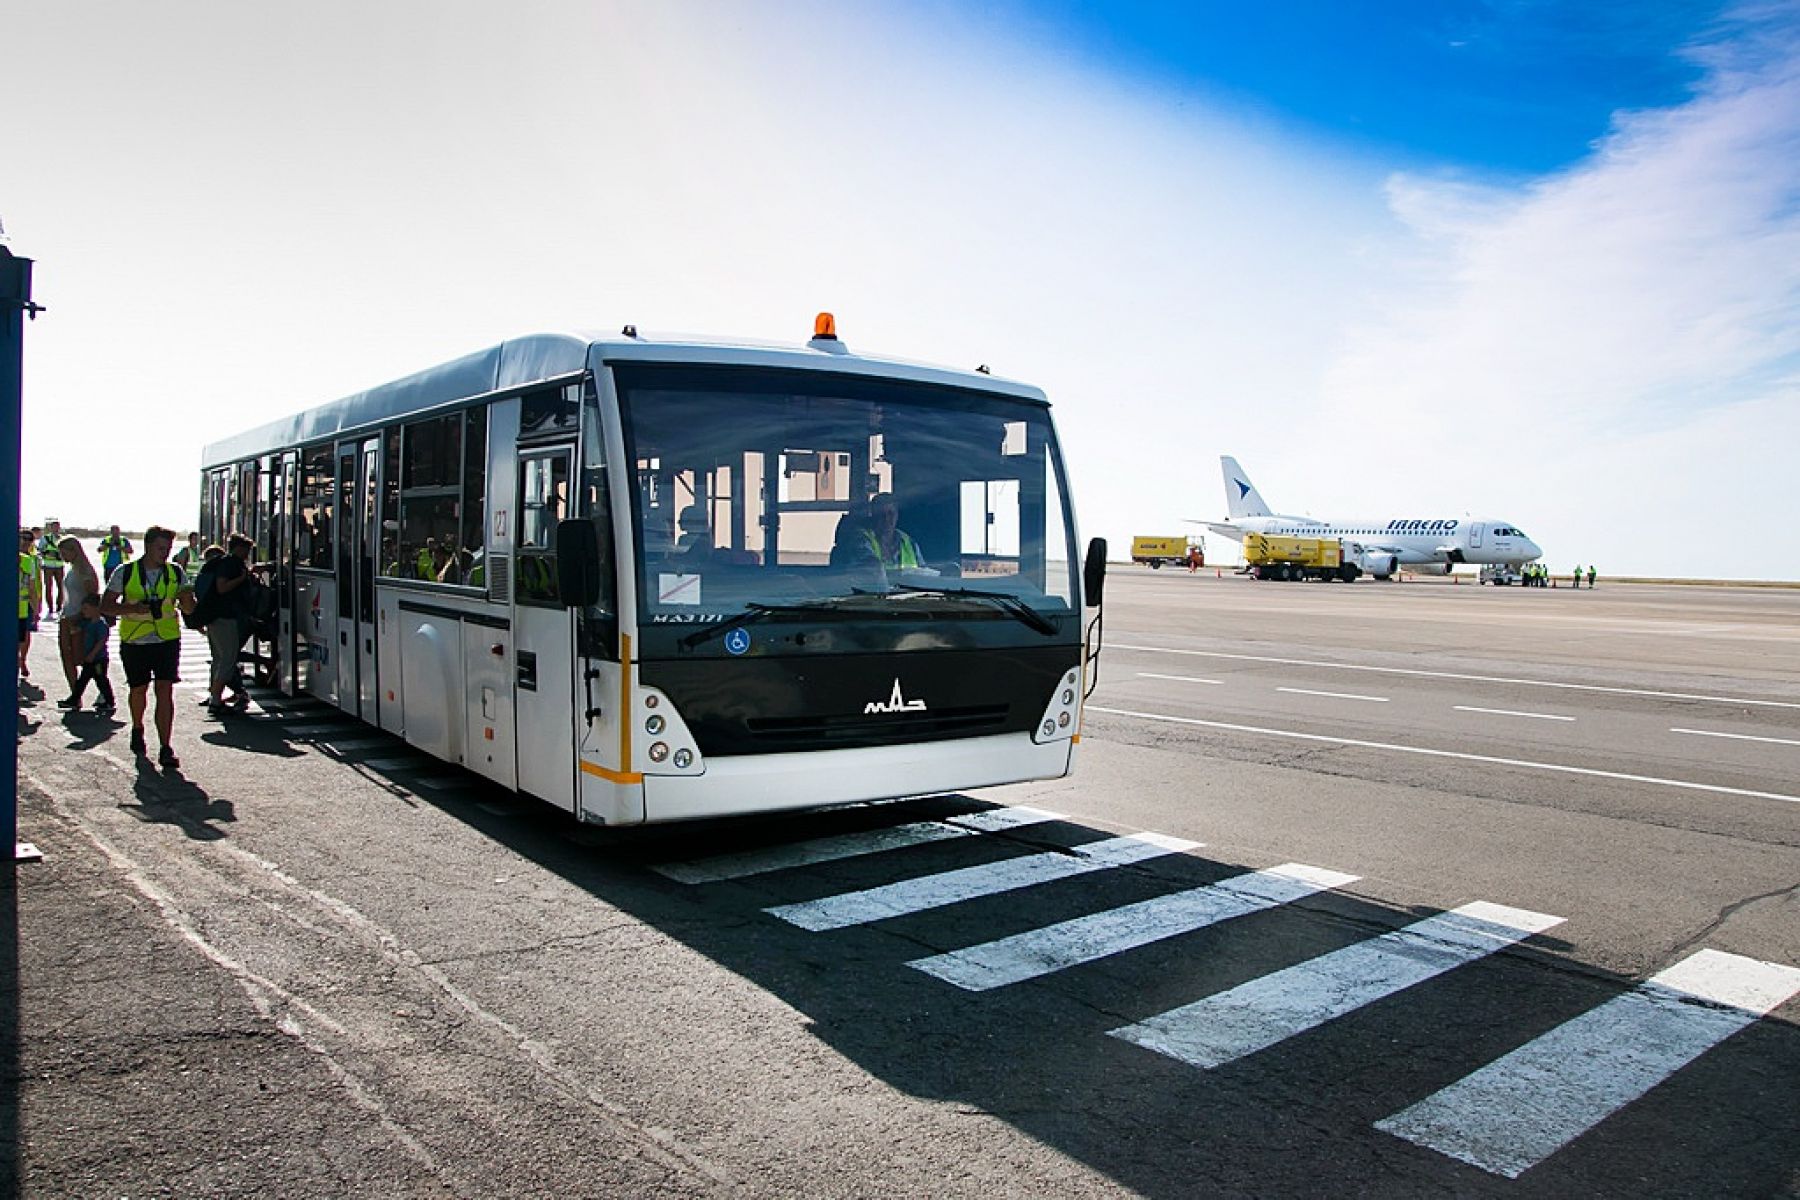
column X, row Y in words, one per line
column 1062, row 716
column 669, row 746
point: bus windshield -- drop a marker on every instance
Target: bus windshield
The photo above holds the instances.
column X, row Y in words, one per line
column 804, row 512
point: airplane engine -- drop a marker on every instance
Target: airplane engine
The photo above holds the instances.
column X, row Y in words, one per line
column 1430, row 568
column 1379, row 564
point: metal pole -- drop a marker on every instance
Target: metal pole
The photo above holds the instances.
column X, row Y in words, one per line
column 15, row 303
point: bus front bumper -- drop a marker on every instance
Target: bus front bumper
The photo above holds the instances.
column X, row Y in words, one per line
column 774, row 782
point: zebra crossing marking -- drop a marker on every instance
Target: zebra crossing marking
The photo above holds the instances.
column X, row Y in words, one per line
column 325, row 729
column 447, row 783
column 389, row 764
column 1255, row 1015
column 340, row 746
column 849, row 845
column 968, row 883
column 1100, row 935
column 297, row 713
column 1518, row 1110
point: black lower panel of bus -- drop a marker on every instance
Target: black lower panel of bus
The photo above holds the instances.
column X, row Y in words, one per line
column 775, row 705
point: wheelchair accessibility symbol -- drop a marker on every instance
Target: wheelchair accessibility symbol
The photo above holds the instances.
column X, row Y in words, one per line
column 737, row 641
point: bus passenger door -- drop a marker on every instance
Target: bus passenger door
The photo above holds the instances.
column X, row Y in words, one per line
column 368, row 534
column 349, row 527
column 288, row 677
column 543, row 633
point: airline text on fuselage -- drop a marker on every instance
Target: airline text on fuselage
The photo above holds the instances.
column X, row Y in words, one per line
column 1422, row 526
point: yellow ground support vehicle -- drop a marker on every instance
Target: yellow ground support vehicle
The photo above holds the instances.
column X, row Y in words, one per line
column 1155, row 551
column 1270, row 557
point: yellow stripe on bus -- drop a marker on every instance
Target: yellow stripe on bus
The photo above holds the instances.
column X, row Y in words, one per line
column 611, row 775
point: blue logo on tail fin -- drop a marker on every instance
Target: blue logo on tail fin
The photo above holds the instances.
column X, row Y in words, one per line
column 1243, row 488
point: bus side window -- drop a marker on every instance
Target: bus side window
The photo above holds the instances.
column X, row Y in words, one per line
column 543, row 501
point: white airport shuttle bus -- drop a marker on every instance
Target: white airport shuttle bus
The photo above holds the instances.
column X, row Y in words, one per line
column 662, row 580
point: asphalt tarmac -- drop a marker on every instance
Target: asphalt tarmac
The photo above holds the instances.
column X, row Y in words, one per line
column 1405, row 889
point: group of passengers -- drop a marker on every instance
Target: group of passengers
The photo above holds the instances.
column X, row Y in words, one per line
column 148, row 599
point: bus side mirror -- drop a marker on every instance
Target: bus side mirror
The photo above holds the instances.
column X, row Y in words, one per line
column 1093, row 572
column 578, row 563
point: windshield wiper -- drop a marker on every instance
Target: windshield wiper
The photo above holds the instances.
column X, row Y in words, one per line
column 755, row 611
column 1008, row 603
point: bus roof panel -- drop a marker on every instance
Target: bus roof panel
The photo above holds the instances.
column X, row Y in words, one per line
column 526, row 360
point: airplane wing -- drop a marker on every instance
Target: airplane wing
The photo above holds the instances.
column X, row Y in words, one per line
column 1230, row 531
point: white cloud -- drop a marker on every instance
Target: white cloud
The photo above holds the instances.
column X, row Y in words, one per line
column 1546, row 347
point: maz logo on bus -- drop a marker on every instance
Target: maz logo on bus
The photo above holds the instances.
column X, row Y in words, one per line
column 894, row 703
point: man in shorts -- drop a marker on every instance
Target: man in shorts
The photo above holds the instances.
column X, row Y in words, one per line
column 148, row 597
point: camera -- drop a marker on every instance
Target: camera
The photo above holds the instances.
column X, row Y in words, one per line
column 156, row 607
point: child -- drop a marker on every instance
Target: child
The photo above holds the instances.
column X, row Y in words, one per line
column 94, row 659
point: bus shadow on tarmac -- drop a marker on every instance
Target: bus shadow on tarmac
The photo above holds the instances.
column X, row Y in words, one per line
column 1078, row 1056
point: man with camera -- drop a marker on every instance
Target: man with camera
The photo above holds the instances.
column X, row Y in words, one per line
column 147, row 596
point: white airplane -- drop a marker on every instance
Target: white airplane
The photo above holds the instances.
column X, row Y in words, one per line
column 1426, row 546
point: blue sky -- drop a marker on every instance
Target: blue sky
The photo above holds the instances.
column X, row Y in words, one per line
column 1539, row 262
column 1516, row 86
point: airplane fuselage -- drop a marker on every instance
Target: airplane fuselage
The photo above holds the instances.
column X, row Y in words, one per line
column 1418, row 543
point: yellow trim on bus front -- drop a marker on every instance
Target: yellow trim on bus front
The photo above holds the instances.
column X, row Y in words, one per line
column 612, row 776
column 625, row 702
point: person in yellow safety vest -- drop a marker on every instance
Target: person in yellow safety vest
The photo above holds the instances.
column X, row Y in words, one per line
column 148, row 596
column 115, row 548
column 50, row 563
column 891, row 545
column 30, row 598
column 188, row 558
column 425, row 562
column 1593, row 571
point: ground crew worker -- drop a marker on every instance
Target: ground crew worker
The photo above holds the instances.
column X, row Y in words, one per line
column 30, row 597
column 1592, row 572
column 50, row 563
column 891, row 546
column 115, row 548
column 148, row 596
column 1577, row 576
column 188, row 557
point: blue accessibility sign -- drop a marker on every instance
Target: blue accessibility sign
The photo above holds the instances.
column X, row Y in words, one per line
column 737, row 641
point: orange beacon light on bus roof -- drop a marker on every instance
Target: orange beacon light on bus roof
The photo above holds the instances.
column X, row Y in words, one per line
column 825, row 326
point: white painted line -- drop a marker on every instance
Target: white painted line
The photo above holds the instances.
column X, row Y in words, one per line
column 1100, row 935
column 1256, row 1015
column 1336, row 666
column 1518, row 1110
column 1742, row 737
column 389, row 764
column 848, row 845
column 989, row 879
column 1177, row 678
column 1507, row 712
column 337, row 727
column 1456, row 754
column 447, row 783
column 356, row 743
column 1332, row 695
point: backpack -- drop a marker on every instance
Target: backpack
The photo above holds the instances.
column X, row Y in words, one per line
column 205, row 600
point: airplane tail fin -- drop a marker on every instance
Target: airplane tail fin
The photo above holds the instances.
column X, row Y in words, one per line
column 1241, row 497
